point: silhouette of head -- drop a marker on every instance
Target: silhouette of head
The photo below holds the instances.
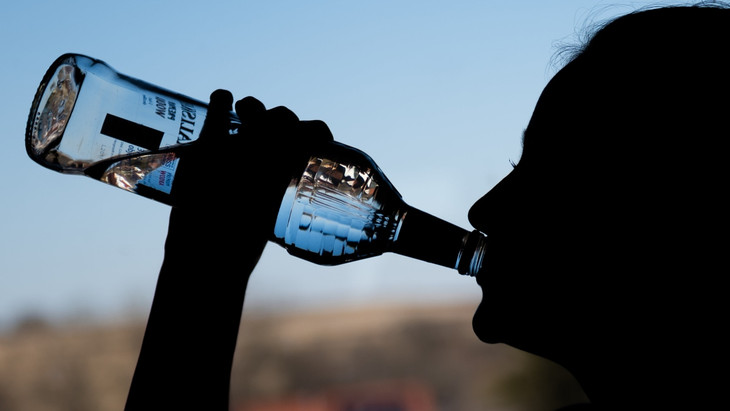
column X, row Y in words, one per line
column 603, row 252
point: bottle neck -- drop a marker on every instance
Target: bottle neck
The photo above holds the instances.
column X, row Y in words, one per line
column 430, row 239
column 472, row 254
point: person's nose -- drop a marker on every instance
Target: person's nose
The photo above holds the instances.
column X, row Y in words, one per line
column 495, row 207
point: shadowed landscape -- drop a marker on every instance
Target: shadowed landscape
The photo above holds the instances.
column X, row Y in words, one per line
column 374, row 358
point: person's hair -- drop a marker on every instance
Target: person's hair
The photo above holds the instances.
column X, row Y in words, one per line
column 569, row 49
column 652, row 78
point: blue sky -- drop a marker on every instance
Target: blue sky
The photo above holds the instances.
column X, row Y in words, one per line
column 438, row 93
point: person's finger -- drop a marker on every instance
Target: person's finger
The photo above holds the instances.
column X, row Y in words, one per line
column 217, row 119
column 281, row 116
column 316, row 131
column 249, row 109
column 221, row 101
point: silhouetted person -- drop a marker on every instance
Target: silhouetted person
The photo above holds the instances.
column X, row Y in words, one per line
column 605, row 241
column 605, row 238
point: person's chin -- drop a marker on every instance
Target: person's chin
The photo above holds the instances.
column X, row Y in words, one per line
column 484, row 325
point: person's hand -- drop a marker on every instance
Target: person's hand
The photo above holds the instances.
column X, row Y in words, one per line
column 227, row 194
column 233, row 184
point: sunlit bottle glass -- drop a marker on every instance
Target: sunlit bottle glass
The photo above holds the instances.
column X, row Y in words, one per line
column 88, row 119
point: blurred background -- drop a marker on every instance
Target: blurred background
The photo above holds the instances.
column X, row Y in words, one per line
column 437, row 93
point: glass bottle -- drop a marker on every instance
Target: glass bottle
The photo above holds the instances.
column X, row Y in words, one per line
column 88, row 119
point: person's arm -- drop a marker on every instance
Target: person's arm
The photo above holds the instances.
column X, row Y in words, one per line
column 188, row 347
column 215, row 238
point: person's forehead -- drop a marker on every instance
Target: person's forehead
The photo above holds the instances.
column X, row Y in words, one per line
column 558, row 108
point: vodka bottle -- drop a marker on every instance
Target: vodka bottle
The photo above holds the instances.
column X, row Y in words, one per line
column 88, row 119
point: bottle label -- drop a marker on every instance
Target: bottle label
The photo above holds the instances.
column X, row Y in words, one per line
column 127, row 121
column 111, row 120
column 161, row 177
